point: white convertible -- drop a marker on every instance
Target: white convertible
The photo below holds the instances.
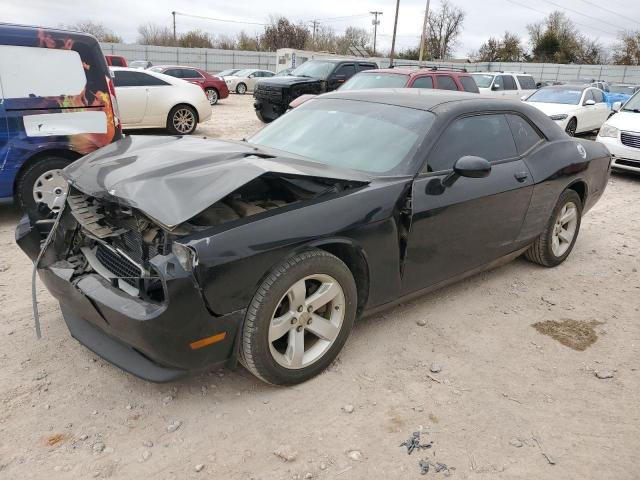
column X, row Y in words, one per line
column 154, row 100
column 621, row 135
column 575, row 108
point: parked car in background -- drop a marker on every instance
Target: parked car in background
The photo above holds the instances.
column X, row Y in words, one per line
column 621, row 135
column 624, row 88
column 57, row 103
column 548, row 83
column 153, row 100
column 574, row 108
column 285, row 73
column 601, row 84
column 428, row 77
column 116, row 61
column 142, row 64
column 179, row 254
column 507, row 84
column 228, row 72
column 245, row 80
column 214, row 87
column 273, row 96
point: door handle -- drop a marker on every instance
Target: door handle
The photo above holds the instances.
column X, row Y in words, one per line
column 521, row 176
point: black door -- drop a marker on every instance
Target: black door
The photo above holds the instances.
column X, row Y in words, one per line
column 343, row 73
column 475, row 220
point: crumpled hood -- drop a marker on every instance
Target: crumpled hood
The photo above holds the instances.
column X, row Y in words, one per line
column 172, row 179
column 287, row 81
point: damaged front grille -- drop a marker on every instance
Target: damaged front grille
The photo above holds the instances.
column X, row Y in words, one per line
column 119, row 265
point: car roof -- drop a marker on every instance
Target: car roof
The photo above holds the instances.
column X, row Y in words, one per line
column 340, row 60
column 174, row 66
column 46, row 29
column 522, row 74
column 415, row 71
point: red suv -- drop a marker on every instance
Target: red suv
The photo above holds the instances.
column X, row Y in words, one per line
column 213, row 86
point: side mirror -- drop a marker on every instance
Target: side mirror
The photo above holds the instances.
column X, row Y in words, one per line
column 589, row 103
column 495, row 87
column 470, row 167
column 616, row 107
column 524, row 97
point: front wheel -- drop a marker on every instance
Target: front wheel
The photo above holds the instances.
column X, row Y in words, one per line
column 212, row 95
column 264, row 118
column 42, row 188
column 182, row 120
column 555, row 243
column 241, row 88
column 572, row 126
column 299, row 319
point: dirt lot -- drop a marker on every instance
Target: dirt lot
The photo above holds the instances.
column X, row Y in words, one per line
column 464, row 365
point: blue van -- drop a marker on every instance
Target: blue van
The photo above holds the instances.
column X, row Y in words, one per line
column 57, row 103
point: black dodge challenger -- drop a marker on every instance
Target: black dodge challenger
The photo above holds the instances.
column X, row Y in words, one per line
column 176, row 254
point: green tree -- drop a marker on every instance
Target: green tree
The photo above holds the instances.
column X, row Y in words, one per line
column 195, row 39
column 555, row 39
column 507, row 49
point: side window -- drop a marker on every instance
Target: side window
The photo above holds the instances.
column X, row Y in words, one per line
column 117, row 62
column 40, row 72
column 445, row 82
column 527, row 82
column 498, row 84
column 267, row 74
column 588, row 95
column 124, row 78
column 348, row 70
column 190, row 73
column 174, row 72
column 469, row 84
column 486, row 136
column 598, row 96
column 509, row 83
column 423, row 82
column 366, row 66
column 524, row 134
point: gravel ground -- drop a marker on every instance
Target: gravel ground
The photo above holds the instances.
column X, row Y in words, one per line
column 464, row 366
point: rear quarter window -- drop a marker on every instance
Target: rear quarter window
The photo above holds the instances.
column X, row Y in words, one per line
column 469, row 84
column 526, row 82
column 40, row 72
column 445, row 82
column 117, row 62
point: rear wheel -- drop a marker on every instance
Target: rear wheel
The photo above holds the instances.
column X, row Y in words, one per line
column 42, row 188
column 571, row 127
column 241, row 88
column 212, row 95
column 554, row 245
column 182, row 120
column 299, row 319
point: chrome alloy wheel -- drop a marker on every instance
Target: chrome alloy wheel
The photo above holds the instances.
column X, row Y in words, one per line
column 51, row 189
column 184, row 120
column 564, row 229
column 307, row 321
column 212, row 95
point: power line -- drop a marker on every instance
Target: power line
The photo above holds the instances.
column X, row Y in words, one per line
column 219, row 19
column 347, row 17
column 621, row 15
column 580, row 13
column 546, row 13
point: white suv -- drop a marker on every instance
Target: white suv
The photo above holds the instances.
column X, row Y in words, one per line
column 508, row 84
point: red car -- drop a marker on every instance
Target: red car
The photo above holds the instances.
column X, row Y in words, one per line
column 116, row 61
column 213, row 86
column 426, row 77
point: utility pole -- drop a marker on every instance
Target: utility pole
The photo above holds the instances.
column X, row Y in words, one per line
column 315, row 26
column 393, row 40
column 375, row 22
column 423, row 39
column 174, row 25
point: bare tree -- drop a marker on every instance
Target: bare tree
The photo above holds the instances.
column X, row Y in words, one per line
column 325, row 40
column 627, row 49
column 154, row 34
column 282, row 33
column 97, row 29
column 353, row 37
column 195, row 39
column 246, row 42
column 445, row 26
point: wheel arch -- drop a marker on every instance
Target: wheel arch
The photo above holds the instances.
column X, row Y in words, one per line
column 68, row 154
column 186, row 104
column 581, row 188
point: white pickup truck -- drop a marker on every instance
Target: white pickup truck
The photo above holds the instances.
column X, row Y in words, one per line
column 508, row 84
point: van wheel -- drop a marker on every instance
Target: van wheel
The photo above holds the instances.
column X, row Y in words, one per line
column 42, row 188
column 182, row 120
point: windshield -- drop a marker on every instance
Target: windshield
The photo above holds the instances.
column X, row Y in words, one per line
column 565, row 96
column 483, row 80
column 314, row 69
column 244, row 73
column 626, row 89
column 374, row 138
column 375, row 80
column 633, row 105
column 226, row 73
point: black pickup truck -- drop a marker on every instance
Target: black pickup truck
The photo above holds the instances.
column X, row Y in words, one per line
column 273, row 95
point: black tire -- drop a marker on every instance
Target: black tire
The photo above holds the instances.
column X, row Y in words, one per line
column 27, row 181
column 263, row 118
column 541, row 251
column 212, row 95
column 571, row 127
column 241, row 88
column 176, row 111
column 255, row 353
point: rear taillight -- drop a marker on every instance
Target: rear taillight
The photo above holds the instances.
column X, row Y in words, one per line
column 114, row 102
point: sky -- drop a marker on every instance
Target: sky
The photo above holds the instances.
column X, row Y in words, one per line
column 484, row 18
